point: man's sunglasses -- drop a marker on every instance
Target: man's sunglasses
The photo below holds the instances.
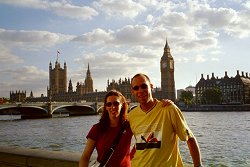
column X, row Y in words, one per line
column 115, row 103
column 143, row 86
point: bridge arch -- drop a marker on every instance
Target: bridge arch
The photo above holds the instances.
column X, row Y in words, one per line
column 28, row 112
column 77, row 110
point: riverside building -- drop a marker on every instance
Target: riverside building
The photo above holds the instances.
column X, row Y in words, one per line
column 235, row 90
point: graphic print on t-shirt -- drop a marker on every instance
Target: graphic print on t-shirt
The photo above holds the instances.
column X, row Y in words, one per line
column 150, row 138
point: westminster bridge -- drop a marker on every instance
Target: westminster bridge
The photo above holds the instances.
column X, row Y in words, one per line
column 46, row 110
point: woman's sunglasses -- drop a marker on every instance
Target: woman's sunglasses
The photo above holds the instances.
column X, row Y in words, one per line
column 115, row 103
column 143, row 86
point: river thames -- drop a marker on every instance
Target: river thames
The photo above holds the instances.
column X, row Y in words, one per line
column 224, row 137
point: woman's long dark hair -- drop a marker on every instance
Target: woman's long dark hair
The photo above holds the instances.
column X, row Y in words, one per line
column 104, row 120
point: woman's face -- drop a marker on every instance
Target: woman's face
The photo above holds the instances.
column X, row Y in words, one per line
column 113, row 106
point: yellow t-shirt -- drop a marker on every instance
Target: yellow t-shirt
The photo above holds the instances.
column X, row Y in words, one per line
column 156, row 134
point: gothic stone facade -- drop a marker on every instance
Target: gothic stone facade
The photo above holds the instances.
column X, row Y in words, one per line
column 167, row 76
column 57, row 90
column 124, row 86
column 18, row 96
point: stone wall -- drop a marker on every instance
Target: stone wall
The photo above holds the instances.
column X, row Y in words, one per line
column 25, row 157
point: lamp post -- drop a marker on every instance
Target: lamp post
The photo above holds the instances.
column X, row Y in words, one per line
column 50, row 104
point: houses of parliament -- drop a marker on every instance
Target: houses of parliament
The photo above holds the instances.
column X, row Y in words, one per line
column 62, row 91
column 234, row 89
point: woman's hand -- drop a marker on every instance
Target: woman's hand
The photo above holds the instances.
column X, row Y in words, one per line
column 166, row 102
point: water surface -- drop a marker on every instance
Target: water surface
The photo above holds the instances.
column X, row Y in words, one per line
column 224, row 137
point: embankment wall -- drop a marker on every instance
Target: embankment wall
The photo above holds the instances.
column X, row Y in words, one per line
column 26, row 157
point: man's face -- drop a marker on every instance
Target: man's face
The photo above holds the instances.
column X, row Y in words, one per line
column 142, row 89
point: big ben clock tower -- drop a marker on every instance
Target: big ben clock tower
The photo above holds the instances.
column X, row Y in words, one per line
column 167, row 74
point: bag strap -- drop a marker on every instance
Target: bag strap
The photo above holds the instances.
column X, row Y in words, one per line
column 110, row 151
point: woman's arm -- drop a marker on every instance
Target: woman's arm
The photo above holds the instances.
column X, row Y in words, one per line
column 88, row 150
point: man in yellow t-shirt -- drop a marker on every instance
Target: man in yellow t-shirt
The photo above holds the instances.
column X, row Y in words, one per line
column 157, row 129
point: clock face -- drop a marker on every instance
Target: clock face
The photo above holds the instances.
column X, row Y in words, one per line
column 164, row 65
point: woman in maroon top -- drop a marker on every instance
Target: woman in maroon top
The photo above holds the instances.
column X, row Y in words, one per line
column 102, row 135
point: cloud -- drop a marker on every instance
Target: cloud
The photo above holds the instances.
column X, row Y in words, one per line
column 97, row 36
column 232, row 22
column 117, row 64
column 62, row 8
column 241, row 27
column 125, row 8
column 37, row 4
column 200, row 58
column 172, row 20
column 197, row 58
column 134, row 34
column 6, row 57
column 149, row 18
column 31, row 39
column 246, row 4
column 74, row 12
column 185, row 40
column 129, row 35
column 215, row 59
column 23, row 78
column 25, row 74
column 207, row 15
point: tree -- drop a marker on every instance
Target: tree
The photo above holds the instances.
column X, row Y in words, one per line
column 211, row 96
column 187, row 98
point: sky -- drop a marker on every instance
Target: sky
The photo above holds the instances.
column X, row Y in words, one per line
column 119, row 39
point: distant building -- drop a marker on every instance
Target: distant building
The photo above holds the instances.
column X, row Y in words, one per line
column 57, row 79
column 31, row 94
column 18, row 96
column 86, row 87
column 179, row 92
column 124, row 86
column 235, row 90
column 57, row 90
column 167, row 76
column 189, row 88
column 2, row 100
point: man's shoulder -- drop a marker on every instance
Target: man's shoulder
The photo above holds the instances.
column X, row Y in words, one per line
column 171, row 108
column 133, row 109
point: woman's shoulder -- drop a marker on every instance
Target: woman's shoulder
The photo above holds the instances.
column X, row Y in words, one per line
column 96, row 126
